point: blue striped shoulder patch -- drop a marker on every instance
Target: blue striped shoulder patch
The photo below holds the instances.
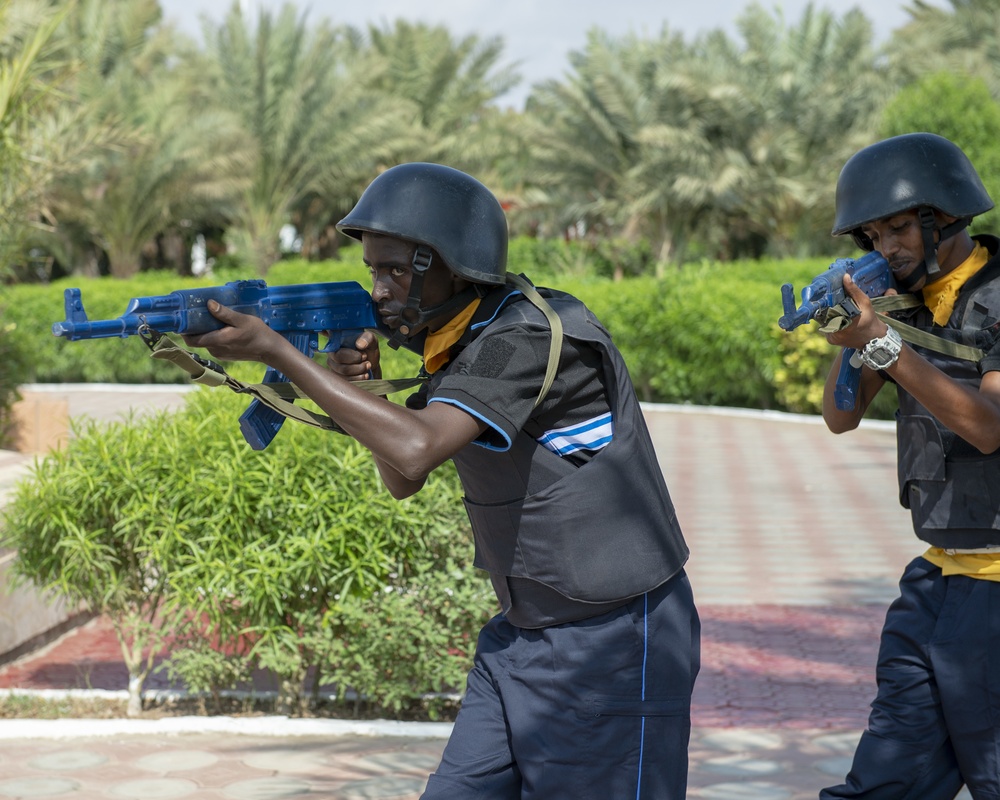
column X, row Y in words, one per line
column 593, row 435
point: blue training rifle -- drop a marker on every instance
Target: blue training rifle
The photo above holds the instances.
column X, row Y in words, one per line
column 300, row 312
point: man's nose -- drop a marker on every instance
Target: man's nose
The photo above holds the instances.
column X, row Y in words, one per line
column 888, row 245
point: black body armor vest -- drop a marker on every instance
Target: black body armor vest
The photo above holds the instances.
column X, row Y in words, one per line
column 597, row 534
column 951, row 489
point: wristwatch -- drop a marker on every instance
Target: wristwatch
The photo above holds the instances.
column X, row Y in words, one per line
column 882, row 352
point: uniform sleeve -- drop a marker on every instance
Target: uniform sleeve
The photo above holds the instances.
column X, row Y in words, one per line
column 497, row 381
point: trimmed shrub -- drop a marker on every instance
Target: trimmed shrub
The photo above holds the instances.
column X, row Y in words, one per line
column 278, row 555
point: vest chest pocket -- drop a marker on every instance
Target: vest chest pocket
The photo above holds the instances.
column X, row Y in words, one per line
column 920, row 454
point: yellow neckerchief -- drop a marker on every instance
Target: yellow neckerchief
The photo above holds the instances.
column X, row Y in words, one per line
column 438, row 343
column 941, row 295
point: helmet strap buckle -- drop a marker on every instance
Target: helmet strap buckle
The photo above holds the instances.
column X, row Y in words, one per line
column 423, row 257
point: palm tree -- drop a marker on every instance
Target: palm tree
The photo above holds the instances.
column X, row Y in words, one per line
column 37, row 136
column 169, row 164
column 817, row 88
column 631, row 144
column 963, row 39
column 448, row 85
column 735, row 147
column 307, row 124
column 585, row 135
column 155, row 159
column 413, row 93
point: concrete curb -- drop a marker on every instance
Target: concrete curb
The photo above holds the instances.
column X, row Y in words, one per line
column 20, row 729
column 113, row 388
column 757, row 413
column 183, row 388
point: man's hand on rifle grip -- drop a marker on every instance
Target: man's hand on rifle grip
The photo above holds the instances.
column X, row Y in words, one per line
column 360, row 364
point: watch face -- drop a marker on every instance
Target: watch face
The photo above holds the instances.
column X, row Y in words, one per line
column 883, row 352
column 880, row 355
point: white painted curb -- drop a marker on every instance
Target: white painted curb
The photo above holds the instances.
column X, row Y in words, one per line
column 19, row 729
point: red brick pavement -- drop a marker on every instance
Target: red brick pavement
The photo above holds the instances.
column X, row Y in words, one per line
column 762, row 666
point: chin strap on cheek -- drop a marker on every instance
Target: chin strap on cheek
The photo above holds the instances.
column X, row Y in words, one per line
column 928, row 227
column 410, row 315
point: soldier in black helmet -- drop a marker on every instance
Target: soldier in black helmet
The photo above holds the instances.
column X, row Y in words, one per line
column 935, row 722
column 581, row 685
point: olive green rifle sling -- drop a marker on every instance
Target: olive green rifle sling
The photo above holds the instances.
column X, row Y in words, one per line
column 837, row 319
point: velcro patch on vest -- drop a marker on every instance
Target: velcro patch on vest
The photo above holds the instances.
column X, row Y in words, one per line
column 492, row 358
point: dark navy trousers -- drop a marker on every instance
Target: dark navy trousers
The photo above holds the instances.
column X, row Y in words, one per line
column 599, row 708
column 935, row 722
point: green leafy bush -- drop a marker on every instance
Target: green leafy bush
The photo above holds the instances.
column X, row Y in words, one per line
column 277, row 554
column 14, row 355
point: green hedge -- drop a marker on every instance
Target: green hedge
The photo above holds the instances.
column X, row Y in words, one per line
column 705, row 334
column 708, row 335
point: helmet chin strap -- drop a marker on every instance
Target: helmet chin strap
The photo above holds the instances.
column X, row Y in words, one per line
column 413, row 319
column 930, row 268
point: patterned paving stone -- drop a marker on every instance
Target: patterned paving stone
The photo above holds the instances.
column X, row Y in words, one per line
column 415, row 762
column 742, row 766
column 176, row 761
column 37, row 787
column 283, row 759
column 154, row 789
column 837, row 767
column 750, row 790
column 267, row 789
column 382, row 788
column 68, row 760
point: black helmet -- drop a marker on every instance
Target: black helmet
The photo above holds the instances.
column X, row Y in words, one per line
column 904, row 172
column 921, row 171
column 442, row 208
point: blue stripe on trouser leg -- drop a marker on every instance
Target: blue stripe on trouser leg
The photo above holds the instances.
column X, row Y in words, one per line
column 645, row 655
column 558, row 712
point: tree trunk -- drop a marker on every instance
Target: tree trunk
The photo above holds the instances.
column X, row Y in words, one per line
column 289, row 695
column 135, row 682
column 122, row 263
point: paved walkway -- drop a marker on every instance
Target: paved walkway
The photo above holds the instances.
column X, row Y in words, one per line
column 797, row 542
